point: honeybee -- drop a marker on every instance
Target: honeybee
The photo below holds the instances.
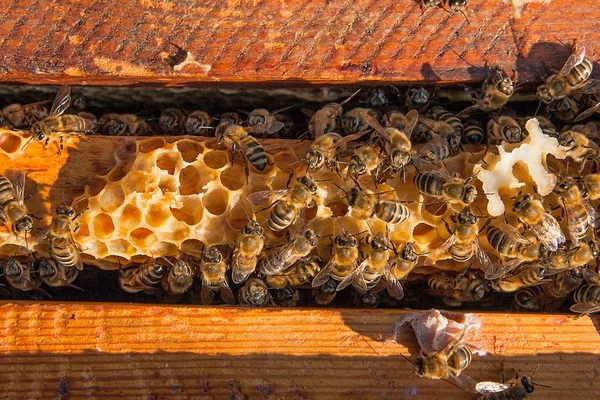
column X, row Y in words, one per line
column 325, row 293
column 230, row 118
column 289, row 203
column 172, row 121
column 300, row 273
column 442, row 115
column 122, row 125
column 58, row 124
column 24, row 116
column 515, row 389
column 574, row 77
column 444, row 143
column 591, row 185
column 200, row 123
column 12, row 205
column 180, row 277
column 449, row 362
column 353, row 121
column 495, row 93
column 263, row 122
column 213, row 269
column 544, row 226
column 344, row 259
column 63, row 247
column 383, row 96
column 325, row 119
column 565, row 109
column 255, row 293
column 579, row 146
column 324, row 150
column 366, row 159
column 473, row 133
column 563, row 284
column 505, row 128
column 397, row 143
column 463, row 244
column 400, row 267
column 281, row 258
column 54, row 274
column 530, row 298
column 420, row 98
column 367, row 205
column 509, row 243
column 526, row 275
column 587, row 300
column 393, row 118
column 236, row 136
column 13, row 116
column 440, row 185
column 143, row 278
column 466, row 287
column 368, row 273
column 580, row 214
column 287, row 297
column 22, row 275
column 246, row 251
column 587, row 113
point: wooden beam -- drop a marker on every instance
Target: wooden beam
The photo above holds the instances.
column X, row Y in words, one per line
column 124, row 42
column 113, row 351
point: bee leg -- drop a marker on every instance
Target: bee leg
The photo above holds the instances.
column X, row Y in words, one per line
column 46, row 143
column 30, row 194
column 233, row 149
column 34, row 217
column 447, row 226
column 61, row 145
column 289, row 181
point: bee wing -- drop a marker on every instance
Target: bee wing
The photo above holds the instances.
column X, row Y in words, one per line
column 238, row 275
column 443, row 249
column 275, row 127
column 206, row 294
column 592, row 277
column 394, row 287
column 357, row 271
column 585, row 308
column 513, row 233
column 19, row 186
column 482, row 257
column 62, row 101
column 349, row 138
column 574, row 59
column 592, row 86
column 267, row 196
column 591, row 212
column 588, row 113
column 549, row 232
column 498, row 270
column 488, row 387
column 412, row 117
column 320, row 123
column 468, row 111
column 73, row 127
column 323, row 275
column 463, row 382
column 227, row 295
column 375, row 125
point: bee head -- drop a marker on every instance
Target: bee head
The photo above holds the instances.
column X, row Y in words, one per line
column 466, row 217
column 64, row 210
column 166, row 121
column 253, row 228
column 377, row 98
column 527, row 383
column 470, row 194
column 512, row 133
column 522, row 201
column 379, row 242
column 12, row 268
column 563, row 185
column 314, row 159
column 420, row 95
column 420, row 366
column 409, row 252
column 312, row 237
column 47, row 268
column 566, row 139
column 309, row 183
column 213, row 255
column 24, row 225
column 346, row 240
column 544, row 94
column 37, row 132
column 350, row 123
column 400, row 158
column 180, row 269
column 256, row 119
column 356, row 166
column 456, row 5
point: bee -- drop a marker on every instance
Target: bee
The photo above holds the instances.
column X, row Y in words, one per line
column 440, row 185
column 367, row 205
column 369, row 272
column 230, row 118
column 505, row 128
column 393, row 118
column 63, row 247
column 526, row 275
column 172, row 120
column 255, row 293
column 565, row 109
column 22, row 275
column 353, row 121
column 287, row 297
column 530, row 298
column 443, row 144
column 580, row 214
column 367, row 300
column 495, row 93
column 530, row 212
column 591, row 187
column 509, row 243
column 289, row 203
column 580, row 148
column 246, row 251
column 324, row 150
column 213, row 269
column 473, row 133
column 18, row 116
column 587, row 300
column 325, row 293
column 515, row 389
column 344, row 259
column 236, row 136
column 463, row 243
column 283, row 257
column 442, row 115
column 449, row 362
column 420, row 98
column 143, row 278
column 179, row 278
column 400, row 267
column 563, row 284
column 397, row 143
column 200, row 123
column 466, row 287
column 122, row 125
column 54, row 274
column 57, row 123
column 366, row 159
column 12, row 205
column 574, row 77
column 300, row 273
column 264, row 123
column 587, row 113
column 383, row 96
column 325, row 119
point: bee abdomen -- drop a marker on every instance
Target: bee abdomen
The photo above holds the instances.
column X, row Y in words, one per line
column 580, row 73
column 460, row 359
column 392, row 212
column 7, row 192
column 64, row 253
column 429, row 183
column 461, row 253
column 500, row 242
column 255, row 153
column 442, row 115
column 281, row 216
column 587, row 294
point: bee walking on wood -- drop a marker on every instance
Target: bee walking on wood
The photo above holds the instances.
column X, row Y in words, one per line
column 518, row 388
column 22, row 275
column 144, row 278
column 58, row 124
column 213, row 271
column 12, row 205
column 247, row 249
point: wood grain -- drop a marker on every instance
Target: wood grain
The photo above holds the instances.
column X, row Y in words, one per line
column 110, row 42
column 157, row 352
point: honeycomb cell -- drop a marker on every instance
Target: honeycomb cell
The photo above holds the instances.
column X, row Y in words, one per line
column 126, row 152
column 284, row 160
column 10, row 143
column 422, row 230
column 192, row 180
column 310, row 213
column 190, row 150
column 236, row 217
column 142, row 238
column 233, row 178
column 96, row 185
column 157, row 214
column 120, row 246
column 436, row 208
column 338, row 208
column 168, row 162
column 112, row 198
column 130, row 217
column 192, row 246
column 215, row 201
column 118, row 172
column 214, row 235
column 176, row 235
column 168, row 184
column 151, row 144
column 102, row 226
column 164, row 249
column 190, row 212
column 215, row 159
column 135, row 181
column 98, row 247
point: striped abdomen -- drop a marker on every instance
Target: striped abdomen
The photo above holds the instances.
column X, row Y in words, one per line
column 7, row 192
column 588, row 294
column 459, row 360
column 502, row 243
column 462, row 252
column 65, row 123
column 580, row 73
column 146, row 276
column 64, row 252
column 254, row 152
column 430, row 183
column 441, row 114
column 473, row 134
column 392, row 212
column 282, row 215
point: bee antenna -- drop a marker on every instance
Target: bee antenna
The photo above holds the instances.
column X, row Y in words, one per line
column 538, row 108
column 341, row 188
column 245, row 212
column 466, row 19
column 26, row 143
column 167, row 260
column 409, row 360
column 539, row 384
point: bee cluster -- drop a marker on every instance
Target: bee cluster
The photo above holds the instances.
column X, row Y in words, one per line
column 386, row 197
